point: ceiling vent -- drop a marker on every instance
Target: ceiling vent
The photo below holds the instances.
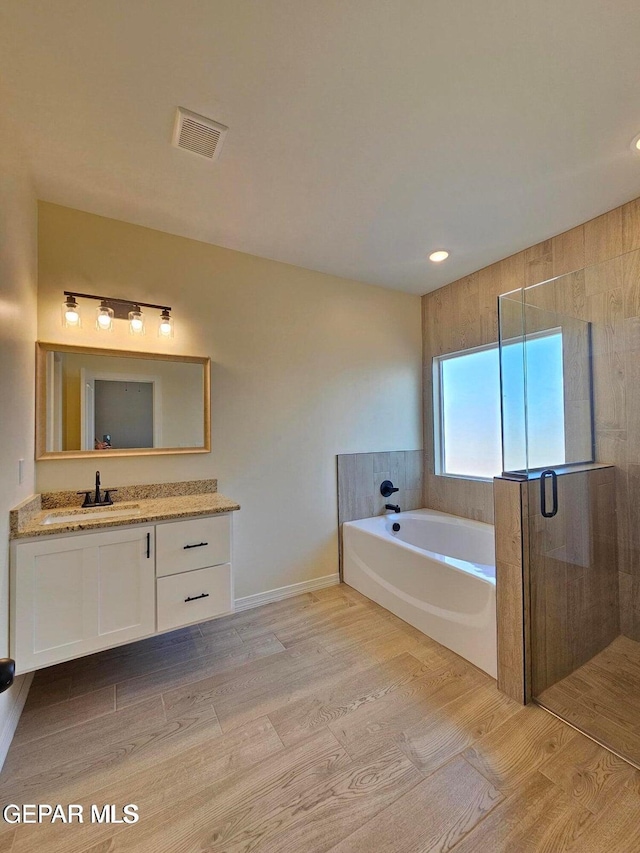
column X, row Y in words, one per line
column 198, row 134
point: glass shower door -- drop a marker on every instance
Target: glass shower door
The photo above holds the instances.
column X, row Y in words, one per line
column 562, row 492
column 574, row 585
column 546, row 361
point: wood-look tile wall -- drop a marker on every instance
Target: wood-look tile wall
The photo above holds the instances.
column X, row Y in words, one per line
column 512, row 588
column 557, row 591
column 461, row 315
column 464, row 314
column 603, row 256
column 360, row 476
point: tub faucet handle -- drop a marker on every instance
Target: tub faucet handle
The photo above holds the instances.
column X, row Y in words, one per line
column 387, row 488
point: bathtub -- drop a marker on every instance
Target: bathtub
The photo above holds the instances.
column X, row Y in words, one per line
column 436, row 572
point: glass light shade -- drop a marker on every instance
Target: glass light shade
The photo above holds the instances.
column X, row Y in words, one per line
column 165, row 327
column 136, row 321
column 104, row 318
column 70, row 312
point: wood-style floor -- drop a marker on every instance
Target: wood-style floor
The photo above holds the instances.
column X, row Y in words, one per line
column 320, row 723
column 602, row 697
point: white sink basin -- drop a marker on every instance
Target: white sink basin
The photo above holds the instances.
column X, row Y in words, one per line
column 82, row 515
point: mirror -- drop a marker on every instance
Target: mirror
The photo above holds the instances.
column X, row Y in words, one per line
column 97, row 402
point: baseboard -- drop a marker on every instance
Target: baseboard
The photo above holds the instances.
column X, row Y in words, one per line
column 13, row 717
column 285, row 592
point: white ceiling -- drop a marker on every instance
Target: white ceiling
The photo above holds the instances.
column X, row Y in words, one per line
column 363, row 133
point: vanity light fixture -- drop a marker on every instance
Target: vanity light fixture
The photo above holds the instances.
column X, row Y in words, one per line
column 116, row 309
column 439, row 256
column 70, row 312
column 104, row 317
column 136, row 321
column 165, row 328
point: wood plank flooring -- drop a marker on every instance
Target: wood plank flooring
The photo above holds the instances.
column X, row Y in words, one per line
column 602, row 697
column 321, row 723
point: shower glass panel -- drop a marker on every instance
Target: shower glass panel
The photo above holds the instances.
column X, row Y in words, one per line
column 546, row 383
column 512, row 382
column 555, row 337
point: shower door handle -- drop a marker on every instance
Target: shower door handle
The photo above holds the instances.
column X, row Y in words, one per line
column 544, row 476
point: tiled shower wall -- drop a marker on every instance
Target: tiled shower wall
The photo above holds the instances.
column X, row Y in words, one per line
column 574, row 583
column 360, row 476
column 557, row 584
column 604, row 257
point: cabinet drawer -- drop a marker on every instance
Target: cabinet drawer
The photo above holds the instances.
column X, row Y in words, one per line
column 193, row 596
column 193, row 544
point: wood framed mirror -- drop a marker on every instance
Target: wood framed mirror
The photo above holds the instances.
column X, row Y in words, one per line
column 94, row 402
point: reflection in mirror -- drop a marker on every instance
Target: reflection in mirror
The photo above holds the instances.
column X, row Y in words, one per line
column 109, row 402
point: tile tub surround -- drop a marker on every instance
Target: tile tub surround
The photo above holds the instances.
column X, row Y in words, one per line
column 160, row 502
column 360, row 476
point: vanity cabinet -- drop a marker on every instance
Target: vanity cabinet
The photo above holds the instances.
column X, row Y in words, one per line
column 192, row 543
column 193, row 570
column 81, row 593
column 194, row 596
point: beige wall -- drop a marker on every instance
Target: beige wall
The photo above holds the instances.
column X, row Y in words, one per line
column 304, row 366
column 17, row 332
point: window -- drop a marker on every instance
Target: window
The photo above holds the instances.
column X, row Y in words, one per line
column 467, row 419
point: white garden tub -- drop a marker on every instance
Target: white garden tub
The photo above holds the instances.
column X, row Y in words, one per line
column 436, row 572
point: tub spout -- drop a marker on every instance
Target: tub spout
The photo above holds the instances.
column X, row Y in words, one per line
column 393, row 507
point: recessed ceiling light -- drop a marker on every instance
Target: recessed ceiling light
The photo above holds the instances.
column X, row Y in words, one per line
column 635, row 145
column 439, row 256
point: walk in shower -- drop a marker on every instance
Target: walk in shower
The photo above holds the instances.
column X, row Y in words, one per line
column 569, row 349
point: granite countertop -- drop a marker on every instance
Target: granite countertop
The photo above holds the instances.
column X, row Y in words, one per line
column 177, row 500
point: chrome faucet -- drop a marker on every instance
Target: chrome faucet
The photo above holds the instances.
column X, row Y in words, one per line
column 98, row 498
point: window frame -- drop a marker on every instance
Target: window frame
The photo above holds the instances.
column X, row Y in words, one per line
column 438, row 408
column 438, row 412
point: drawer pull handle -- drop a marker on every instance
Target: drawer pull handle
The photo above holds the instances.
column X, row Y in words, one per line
column 199, row 545
column 196, row 597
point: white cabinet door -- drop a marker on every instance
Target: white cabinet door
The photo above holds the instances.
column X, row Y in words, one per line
column 79, row 594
